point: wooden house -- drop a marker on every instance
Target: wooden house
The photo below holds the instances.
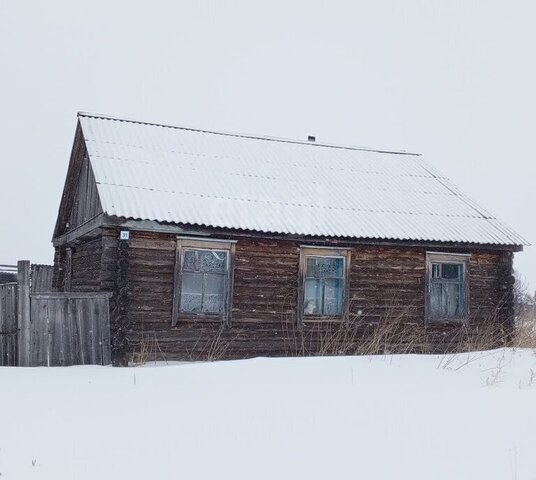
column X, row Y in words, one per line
column 241, row 245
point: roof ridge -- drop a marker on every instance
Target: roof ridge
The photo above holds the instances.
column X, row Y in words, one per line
column 244, row 135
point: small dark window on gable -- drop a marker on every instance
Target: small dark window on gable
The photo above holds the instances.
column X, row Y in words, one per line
column 447, row 287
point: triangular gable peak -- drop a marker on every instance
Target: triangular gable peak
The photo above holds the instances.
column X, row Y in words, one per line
column 80, row 202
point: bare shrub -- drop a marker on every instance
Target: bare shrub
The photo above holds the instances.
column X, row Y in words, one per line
column 524, row 302
column 525, row 333
column 525, row 315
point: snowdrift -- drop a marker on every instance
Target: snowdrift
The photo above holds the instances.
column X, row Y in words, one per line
column 470, row 416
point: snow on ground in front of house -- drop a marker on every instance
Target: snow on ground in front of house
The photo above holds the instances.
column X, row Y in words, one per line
column 471, row 416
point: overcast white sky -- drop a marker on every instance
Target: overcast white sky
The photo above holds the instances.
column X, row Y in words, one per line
column 454, row 80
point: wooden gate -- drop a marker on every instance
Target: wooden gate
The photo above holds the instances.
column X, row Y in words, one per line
column 69, row 329
column 8, row 324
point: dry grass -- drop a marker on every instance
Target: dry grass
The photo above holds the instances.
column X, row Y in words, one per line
column 395, row 332
column 206, row 349
column 525, row 333
column 146, row 350
column 216, row 348
column 390, row 334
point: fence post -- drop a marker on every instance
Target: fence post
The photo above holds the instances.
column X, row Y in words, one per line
column 23, row 312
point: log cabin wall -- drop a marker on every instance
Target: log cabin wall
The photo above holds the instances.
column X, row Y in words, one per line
column 78, row 266
column 86, row 266
column 58, row 277
column 385, row 282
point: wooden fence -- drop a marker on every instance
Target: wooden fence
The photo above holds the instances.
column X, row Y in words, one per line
column 43, row 328
column 41, row 278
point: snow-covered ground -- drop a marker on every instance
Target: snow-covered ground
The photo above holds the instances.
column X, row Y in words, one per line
column 394, row 417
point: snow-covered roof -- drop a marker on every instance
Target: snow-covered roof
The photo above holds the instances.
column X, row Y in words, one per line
column 188, row 176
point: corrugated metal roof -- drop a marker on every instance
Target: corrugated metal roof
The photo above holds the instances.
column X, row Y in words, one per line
column 180, row 175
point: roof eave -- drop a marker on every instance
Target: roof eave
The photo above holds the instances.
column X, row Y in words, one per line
column 146, row 225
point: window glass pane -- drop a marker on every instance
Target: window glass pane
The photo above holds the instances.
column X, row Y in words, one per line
column 214, row 293
column 325, row 267
column 453, row 300
column 461, row 302
column 311, row 267
column 324, row 285
column 329, row 267
column 447, row 291
column 191, row 292
column 212, row 261
column 189, row 261
column 332, row 297
column 435, row 299
column 313, row 297
column 451, row 271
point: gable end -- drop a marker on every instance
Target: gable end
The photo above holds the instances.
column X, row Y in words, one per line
column 80, row 201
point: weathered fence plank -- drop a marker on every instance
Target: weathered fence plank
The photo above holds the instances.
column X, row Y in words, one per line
column 78, row 333
column 39, row 335
column 106, row 346
column 23, row 312
column 95, row 334
column 54, row 330
column 8, row 324
column 68, row 336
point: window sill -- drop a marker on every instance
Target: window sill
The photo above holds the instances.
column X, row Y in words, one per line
column 307, row 319
column 445, row 322
column 200, row 318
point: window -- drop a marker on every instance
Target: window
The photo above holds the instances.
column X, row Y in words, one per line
column 203, row 279
column 324, row 283
column 447, row 287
